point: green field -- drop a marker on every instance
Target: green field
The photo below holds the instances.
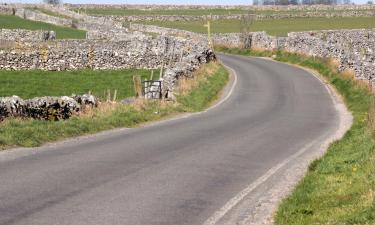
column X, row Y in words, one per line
column 14, row 22
column 29, row 132
column 28, row 84
column 181, row 11
column 278, row 27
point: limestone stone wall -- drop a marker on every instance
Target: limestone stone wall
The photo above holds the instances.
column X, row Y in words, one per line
column 280, row 15
column 38, row 16
column 25, row 35
column 109, row 46
column 353, row 49
column 6, row 10
column 144, row 52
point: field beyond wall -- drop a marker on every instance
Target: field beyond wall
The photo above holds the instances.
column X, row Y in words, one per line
column 14, row 22
column 275, row 27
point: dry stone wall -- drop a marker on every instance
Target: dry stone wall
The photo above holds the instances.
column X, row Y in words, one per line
column 6, row 10
column 110, row 47
column 281, row 15
column 144, row 52
column 353, row 49
column 45, row 108
column 25, row 35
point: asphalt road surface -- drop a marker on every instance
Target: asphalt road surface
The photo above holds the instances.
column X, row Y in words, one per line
column 175, row 172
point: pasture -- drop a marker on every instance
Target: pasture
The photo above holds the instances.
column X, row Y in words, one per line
column 14, row 22
column 279, row 27
column 33, row 83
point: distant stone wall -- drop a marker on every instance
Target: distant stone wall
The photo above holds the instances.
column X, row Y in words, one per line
column 165, row 31
column 6, row 10
column 280, row 15
column 353, row 49
column 25, row 35
column 72, row 19
column 260, row 12
column 38, row 16
column 111, row 47
column 218, row 6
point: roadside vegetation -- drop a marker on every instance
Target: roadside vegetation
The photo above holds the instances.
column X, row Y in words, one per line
column 279, row 27
column 339, row 188
column 33, row 83
column 192, row 95
column 14, row 22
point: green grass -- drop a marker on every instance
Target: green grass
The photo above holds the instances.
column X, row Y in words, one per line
column 339, row 188
column 14, row 22
column 278, row 27
column 191, row 12
column 16, row 132
column 32, row 83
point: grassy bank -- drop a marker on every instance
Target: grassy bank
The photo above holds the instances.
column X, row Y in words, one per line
column 200, row 94
column 32, row 83
column 279, row 27
column 339, row 188
column 14, row 22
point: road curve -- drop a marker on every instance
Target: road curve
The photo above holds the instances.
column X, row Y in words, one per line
column 176, row 172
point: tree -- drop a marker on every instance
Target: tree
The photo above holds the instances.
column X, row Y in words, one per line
column 52, row 2
column 370, row 3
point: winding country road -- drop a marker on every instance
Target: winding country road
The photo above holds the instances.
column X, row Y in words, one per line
column 174, row 172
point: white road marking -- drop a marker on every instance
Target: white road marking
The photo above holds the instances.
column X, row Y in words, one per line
column 218, row 215
column 240, row 196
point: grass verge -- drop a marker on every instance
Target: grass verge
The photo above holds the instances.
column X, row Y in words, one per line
column 30, row 133
column 279, row 27
column 14, row 22
column 339, row 188
column 32, row 83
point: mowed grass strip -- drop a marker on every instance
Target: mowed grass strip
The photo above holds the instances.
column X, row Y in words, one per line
column 279, row 27
column 30, row 133
column 14, row 22
column 339, row 188
column 32, row 83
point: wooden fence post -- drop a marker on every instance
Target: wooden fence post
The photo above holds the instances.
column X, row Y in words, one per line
column 137, row 86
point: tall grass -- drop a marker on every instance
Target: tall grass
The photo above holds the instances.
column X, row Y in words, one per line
column 339, row 187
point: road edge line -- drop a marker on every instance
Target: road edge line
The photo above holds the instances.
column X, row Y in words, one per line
column 345, row 121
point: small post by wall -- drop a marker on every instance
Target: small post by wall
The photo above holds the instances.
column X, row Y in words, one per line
column 208, row 25
column 137, row 86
